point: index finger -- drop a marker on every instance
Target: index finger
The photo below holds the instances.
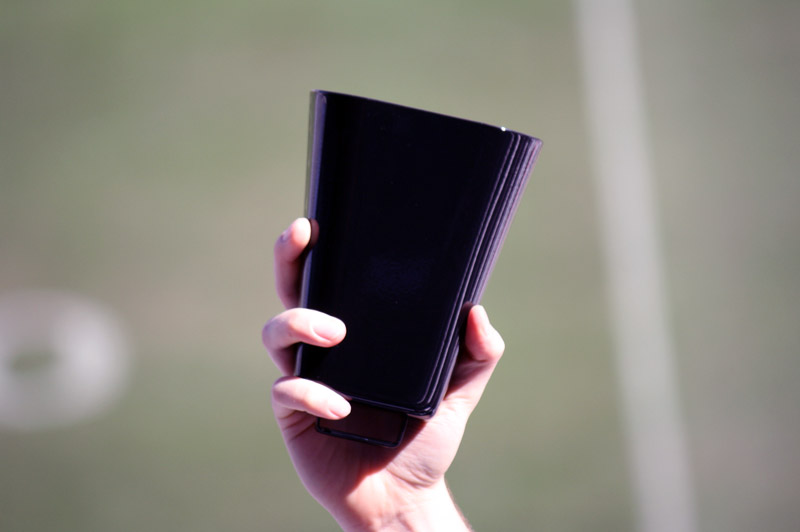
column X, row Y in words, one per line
column 288, row 261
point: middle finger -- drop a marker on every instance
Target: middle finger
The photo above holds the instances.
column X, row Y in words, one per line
column 281, row 334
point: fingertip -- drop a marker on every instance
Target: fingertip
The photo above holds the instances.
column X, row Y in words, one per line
column 288, row 252
column 482, row 339
column 294, row 239
column 339, row 407
column 301, row 231
column 329, row 330
column 478, row 313
column 478, row 324
column 291, row 394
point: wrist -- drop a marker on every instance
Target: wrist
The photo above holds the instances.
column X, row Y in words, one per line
column 431, row 509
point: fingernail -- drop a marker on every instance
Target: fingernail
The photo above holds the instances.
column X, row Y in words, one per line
column 329, row 328
column 483, row 320
column 285, row 235
column 340, row 407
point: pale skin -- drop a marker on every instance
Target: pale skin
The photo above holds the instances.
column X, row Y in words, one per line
column 366, row 487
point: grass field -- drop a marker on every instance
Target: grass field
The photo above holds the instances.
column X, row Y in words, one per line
column 150, row 152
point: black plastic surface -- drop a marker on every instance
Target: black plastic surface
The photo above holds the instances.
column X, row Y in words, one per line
column 409, row 210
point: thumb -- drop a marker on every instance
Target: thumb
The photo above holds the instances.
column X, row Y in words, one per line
column 481, row 351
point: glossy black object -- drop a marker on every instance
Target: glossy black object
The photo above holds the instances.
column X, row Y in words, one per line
column 409, row 210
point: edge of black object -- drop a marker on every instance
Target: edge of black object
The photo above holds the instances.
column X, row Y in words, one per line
column 367, row 424
column 409, row 209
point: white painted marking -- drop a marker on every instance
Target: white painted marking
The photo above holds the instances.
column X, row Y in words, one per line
column 624, row 180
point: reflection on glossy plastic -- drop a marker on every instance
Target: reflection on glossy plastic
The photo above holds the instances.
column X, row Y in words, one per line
column 409, row 211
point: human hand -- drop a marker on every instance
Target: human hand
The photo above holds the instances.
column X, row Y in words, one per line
column 366, row 487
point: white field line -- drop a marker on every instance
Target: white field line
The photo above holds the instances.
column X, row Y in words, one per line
column 643, row 344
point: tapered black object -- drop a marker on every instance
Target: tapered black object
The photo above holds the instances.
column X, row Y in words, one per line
column 409, row 209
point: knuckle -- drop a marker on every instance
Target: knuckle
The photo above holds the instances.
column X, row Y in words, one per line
column 281, row 330
column 268, row 333
column 265, row 333
column 280, row 242
column 278, row 393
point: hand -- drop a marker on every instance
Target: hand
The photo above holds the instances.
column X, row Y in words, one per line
column 366, row 487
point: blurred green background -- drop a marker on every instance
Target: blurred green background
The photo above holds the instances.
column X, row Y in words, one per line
column 150, row 153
